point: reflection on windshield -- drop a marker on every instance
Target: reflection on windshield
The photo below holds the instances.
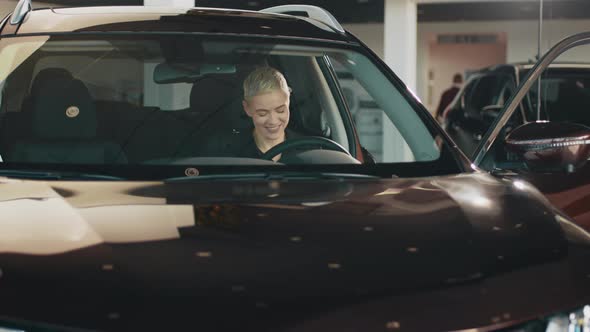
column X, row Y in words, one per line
column 121, row 101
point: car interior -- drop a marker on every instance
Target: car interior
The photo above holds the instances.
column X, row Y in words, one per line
column 71, row 113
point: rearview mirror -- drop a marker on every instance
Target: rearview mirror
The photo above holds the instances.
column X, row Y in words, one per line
column 551, row 146
column 166, row 73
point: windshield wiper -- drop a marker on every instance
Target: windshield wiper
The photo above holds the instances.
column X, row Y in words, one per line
column 272, row 176
column 55, row 175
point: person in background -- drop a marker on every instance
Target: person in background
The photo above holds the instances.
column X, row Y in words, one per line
column 448, row 96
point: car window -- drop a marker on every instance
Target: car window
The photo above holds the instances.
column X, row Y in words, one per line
column 180, row 100
column 468, row 92
column 565, row 95
column 486, row 92
column 373, row 126
column 120, row 84
column 507, row 89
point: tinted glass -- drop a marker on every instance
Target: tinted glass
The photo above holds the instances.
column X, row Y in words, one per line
column 176, row 100
column 565, row 96
column 370, row 120
column 486, row 92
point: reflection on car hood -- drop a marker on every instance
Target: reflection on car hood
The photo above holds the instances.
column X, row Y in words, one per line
column 281, row 254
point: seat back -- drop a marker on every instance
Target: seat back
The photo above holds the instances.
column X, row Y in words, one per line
column 64, row 124
column 218, row 100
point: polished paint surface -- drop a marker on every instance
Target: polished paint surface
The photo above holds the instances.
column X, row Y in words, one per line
column 267, row 255
column 413, row 254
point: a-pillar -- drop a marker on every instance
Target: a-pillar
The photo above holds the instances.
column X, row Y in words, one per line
column 165, row 96
column 400, row 26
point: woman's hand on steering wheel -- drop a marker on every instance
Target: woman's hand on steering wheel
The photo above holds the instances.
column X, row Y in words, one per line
column 309, row 141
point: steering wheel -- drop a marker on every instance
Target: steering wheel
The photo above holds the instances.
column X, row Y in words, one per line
column 312, row 141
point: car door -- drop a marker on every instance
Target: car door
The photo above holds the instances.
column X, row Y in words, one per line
column 564, row 98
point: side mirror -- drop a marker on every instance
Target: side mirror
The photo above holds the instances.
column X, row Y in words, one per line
column 551, row 146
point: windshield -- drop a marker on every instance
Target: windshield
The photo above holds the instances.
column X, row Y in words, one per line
column 116, row 102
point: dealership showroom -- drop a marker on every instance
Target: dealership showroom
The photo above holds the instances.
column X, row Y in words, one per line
column 315, row 165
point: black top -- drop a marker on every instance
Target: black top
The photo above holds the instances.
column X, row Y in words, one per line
column 239, row 143
column 249, row 149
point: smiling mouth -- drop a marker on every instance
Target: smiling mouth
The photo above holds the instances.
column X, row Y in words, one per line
column 273, row 129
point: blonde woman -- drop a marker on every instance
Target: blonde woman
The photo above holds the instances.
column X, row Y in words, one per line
column 266, row 102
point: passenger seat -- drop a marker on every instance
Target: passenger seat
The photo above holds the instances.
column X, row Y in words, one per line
column 64, row 125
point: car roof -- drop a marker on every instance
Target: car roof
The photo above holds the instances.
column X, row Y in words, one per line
column 529, row 65
column 559, row 65
column 170, row 19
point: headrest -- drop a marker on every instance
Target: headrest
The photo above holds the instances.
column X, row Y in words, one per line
column 211, row 93
column 46, row 76
column 62, row 108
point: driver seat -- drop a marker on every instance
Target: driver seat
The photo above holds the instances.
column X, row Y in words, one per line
column 218, row 101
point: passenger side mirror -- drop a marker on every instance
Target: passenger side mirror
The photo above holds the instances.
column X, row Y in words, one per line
column 551, row 146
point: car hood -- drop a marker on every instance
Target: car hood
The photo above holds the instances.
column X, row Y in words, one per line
column 281, row 253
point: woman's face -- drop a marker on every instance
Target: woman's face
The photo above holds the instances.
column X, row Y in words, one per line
column 269, row 113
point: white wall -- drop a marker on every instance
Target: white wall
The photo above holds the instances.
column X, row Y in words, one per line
column 6, row 7
column 521, row 38
column 447, row 59
column 370, row 33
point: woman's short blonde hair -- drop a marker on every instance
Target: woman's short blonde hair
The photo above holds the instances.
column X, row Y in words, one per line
column 263, row 80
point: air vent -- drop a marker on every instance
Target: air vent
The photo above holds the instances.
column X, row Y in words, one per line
column 468, row 39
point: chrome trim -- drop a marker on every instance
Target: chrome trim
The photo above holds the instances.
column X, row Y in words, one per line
column 313, row 12
column 536, row 145
column 20, row 11
column 550, row 140
column 564, row 45
column 517, row 76
column 563, row 65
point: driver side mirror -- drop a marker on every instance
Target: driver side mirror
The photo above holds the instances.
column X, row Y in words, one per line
column 551, row 146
